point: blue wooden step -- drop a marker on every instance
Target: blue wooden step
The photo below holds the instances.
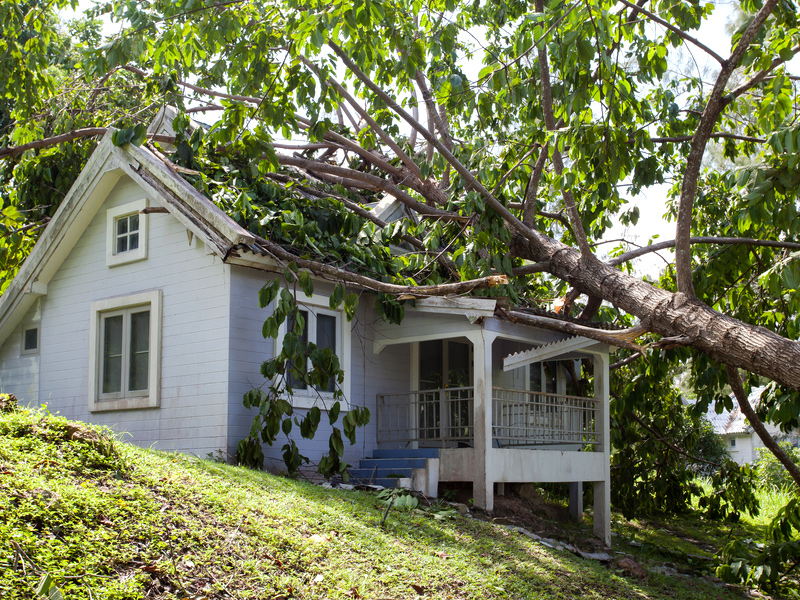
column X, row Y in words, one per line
column 407, row 453
column 392, row 463
column 391, row 473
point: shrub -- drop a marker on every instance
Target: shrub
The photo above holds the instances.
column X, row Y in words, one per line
column 770, row 472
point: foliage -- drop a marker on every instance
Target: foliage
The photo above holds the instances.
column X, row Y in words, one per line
column 590, row 88
column 734, row 491
column 710, row 446
column 770, row 564
column 771, row 473
column 663, row 446
column 275, row 411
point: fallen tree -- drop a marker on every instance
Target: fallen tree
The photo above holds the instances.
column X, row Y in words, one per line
column 516, row 171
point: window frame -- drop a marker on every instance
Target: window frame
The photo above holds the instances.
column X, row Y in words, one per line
column 315, row 305
column 30, row 351
column 125, row 399
column 113, row 258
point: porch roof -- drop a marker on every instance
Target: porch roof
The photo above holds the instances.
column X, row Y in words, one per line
column 551, row 350
column 443, row 318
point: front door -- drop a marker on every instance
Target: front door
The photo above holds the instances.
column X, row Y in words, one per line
column 445, row 384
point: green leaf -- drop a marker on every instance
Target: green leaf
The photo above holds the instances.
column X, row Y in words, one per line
column 336, row 297
column 304, row 280
column 46, row 588
column 335, row 442
column 351, row 305
column 333, row 415
column 268, row 293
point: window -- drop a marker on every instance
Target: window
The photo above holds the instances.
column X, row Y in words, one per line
column 126, row 233
column 30, row 340
column 124, row 358
column 542, row 377
column 733, row 442
column 320, row 328
column 327, row 329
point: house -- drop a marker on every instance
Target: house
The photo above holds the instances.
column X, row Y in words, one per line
column 138, row 309
column 741, row 441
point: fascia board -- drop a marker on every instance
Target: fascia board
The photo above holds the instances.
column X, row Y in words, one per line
column 70, row 220
column 208, row 212
column 547, row 352
column 471, row 308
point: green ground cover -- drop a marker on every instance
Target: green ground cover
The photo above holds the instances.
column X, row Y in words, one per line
column 108, row 520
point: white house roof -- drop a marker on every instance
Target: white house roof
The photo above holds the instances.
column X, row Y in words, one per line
column 546, row 352
column 733, row 422
column 105, row 167
column 202, row 218
column 728, row 422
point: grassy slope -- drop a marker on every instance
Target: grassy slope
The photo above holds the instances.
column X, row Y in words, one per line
column 108, row 520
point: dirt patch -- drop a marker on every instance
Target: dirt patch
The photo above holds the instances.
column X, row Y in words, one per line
column 523, row 506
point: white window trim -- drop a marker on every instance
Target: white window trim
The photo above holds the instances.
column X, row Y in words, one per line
column 150, row 399
column 320, row 304
column 26, row 328
column 112, row 214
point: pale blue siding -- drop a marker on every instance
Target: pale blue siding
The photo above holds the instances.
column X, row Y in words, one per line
column 194, row 352
column 370, row 374
column 19, row 374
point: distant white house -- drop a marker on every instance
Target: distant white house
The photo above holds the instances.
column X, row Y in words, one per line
column 138, row 309
column 741, row 441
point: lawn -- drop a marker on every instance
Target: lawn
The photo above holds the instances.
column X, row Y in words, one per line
column 108, row 520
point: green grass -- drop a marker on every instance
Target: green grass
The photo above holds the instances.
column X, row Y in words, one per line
column 109, row 520
column 691, row 541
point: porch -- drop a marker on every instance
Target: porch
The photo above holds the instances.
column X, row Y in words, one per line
column 498, row 403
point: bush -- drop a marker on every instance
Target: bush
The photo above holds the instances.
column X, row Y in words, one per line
column 770, row 472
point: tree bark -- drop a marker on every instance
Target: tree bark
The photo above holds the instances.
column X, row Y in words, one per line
column 723, row 338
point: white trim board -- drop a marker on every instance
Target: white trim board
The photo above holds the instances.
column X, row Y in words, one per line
column 546, row 352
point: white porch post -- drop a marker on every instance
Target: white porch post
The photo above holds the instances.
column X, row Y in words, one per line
column 602, row 489
column 483, row 482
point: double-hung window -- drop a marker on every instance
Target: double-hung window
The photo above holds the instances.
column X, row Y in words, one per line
column 126, row 350
column 326, row 329
column 124, row 362
column 126, row 233
column 321, row 328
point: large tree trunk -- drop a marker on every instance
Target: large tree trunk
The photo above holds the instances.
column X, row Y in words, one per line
column 723, row 338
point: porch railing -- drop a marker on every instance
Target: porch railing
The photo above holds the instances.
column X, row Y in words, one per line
column 429, row 417
column 444, row 418
column 523, row 418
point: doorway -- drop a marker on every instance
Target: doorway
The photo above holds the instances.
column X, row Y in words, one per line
column 445, row 384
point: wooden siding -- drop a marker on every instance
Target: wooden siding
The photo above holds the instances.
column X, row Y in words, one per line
column 194, row 357
column 370, row 374
column 19, row 374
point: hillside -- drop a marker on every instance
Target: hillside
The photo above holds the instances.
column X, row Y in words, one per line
column 108, row 520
